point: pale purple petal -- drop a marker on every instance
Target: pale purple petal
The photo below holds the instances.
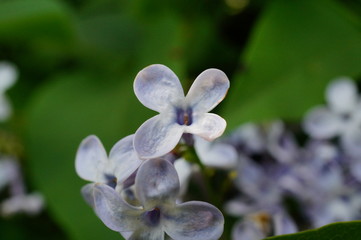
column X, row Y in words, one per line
column 158, row 88
column 87, row 193
column 8, row 75
column 184, row 170
column 123, row 158
column 239, row 207
column 247, row 230
column 115, row 213
column 321, row 123
column 209, row 88
column 194, row 221
column 156, row 183
column 207, row 125
column 249, row 138
column 351, row 141
column 157, row 136
column 91, row 159
column 148, row 234
column 283, row 224
column 215, row 154
column 27, row 203
column 341, row 95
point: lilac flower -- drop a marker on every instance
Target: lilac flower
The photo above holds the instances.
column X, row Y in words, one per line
column 216, row 154
column 341, row 117
column 159, row 89
column 8, row 76
column 93, row 164
column 157, row 187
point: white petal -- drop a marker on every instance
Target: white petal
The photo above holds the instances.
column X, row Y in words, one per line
column 91, row 159
column 341, row 95
column 283, row 224
column 115, row 213
column 184, row 171
column 157, row 136
column 247, row 230
column 8, row 170
column 249, row 137
column 215, row 154
column 351, row 141
column 123, row 158
column 158, row 88
column 194, row 221
column 148, row 234
column 156, row 183
column 321, row 123
column 87, row 193
column 208, row 126
column 30, row 204
column 8, row 75
column 209, row 88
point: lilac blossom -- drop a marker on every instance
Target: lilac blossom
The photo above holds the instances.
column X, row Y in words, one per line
column 93, row 164
column 159, row 89
column 157, row 187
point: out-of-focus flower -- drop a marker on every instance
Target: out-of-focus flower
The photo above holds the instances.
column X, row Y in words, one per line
column 215, row 154
column 19, row 201
column 156, row 187
column 8, row 75
column 341, row 117
column 248, row 138
column 93, row 164
column 159, row 89
column 30, row 204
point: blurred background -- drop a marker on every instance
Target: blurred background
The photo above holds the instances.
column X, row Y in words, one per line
column 76, row 61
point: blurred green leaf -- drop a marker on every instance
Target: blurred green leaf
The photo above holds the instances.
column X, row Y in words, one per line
column 295, row 49
column 335, row 231
column 35, row 20
column 62, row 114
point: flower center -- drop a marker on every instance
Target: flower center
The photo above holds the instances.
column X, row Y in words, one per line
column 184, row 117
column 111, row 180
column 152, row 218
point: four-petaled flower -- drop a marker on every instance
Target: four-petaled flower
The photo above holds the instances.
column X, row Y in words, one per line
column 93, row 164
column 159, row 89
column 156, row 187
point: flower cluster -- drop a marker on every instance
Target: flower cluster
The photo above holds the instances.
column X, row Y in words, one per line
column 18, row 201
column 135, row 190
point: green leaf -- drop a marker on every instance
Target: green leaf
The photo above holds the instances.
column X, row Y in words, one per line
column 295, row 49
column 335, row 231
column 63, row 113
column 35, row 20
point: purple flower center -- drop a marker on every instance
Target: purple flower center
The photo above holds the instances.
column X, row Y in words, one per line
column 111, row 180
column 184, row 117
column 152, row 218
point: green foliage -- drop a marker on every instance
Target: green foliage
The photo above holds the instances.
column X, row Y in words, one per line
column 295, row 49
column 335, row 231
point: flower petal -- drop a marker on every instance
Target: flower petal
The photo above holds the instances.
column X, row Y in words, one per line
column 115, row 213
column 194, row 221
column 283, row 224
column 157, row 87
column 207, row 125
column 91, row 159
column 87, row 193
column 157, row 136
column 341, row 95
column 123, row 158
column 8, row 75
column 209, row 88
column 247, row 230
column 184, row 170
column 321, row 123
column 156, row 183
column 215, row 154
column 148, row 234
